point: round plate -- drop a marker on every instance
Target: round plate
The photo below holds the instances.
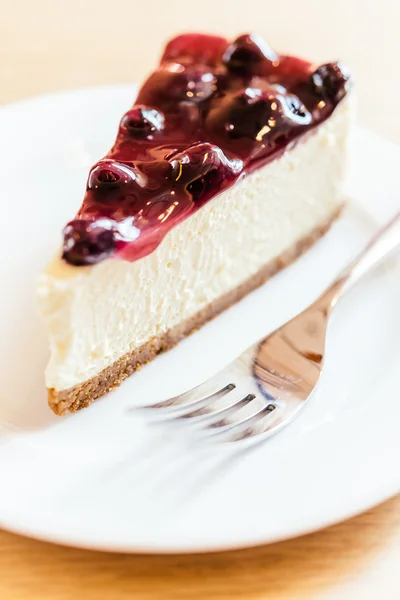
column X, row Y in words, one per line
column 105, row 478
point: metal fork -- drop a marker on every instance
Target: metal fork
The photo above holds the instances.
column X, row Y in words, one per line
column 266, row 386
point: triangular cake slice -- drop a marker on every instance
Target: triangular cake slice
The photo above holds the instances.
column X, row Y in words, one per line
column 226, row 169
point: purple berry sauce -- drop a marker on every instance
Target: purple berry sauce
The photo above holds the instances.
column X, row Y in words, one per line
column 212, row 112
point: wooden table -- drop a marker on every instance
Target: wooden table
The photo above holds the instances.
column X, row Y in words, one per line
column 357, row 560
column 51, row 45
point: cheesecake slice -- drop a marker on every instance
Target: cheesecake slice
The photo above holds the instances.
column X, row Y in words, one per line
column 227, row 168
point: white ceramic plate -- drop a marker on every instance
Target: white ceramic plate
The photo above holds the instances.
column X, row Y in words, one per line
column 104, row 478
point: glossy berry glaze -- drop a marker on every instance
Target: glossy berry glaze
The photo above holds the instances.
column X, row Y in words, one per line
column 212, row 112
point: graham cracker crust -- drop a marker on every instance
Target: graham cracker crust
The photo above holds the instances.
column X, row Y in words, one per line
column 82, row 395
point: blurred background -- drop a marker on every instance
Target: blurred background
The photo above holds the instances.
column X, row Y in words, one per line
column 48, row 45
column 51, row 45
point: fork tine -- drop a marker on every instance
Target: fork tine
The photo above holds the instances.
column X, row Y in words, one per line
column 209, row 412
column 245, row 427
column 209, row 391
column 259, row 426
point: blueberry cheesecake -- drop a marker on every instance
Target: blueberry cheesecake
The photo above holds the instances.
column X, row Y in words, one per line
column 226, row 169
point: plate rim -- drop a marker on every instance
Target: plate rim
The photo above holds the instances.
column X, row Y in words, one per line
column 197, row 550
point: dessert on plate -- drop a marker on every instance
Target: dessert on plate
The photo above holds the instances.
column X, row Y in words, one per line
column 226, row 169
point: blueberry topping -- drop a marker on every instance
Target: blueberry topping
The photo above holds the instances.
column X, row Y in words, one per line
column 88, row 242
column 294, row 109
column 104, row 176
column 203, row 170
column 329, row 81
column 208, row 115
column 195, row 84
column 195, row 48
column 109, row 175
column 142, row 122
column 253, row 121
column 249, row 55
column 175, row 83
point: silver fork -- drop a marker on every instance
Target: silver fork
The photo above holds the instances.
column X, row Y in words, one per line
column 266, row 386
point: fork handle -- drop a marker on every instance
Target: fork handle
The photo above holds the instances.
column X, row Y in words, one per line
column 384, row 243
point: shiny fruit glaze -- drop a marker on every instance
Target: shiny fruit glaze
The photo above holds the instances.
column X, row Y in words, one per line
column 212, row 112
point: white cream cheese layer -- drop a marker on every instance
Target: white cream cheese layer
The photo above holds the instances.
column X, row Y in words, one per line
column 96, row 314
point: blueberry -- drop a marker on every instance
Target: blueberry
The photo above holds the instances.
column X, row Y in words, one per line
column 195, row 84
column 203, row 170
column 195, row 48
column 88, row 242
column 329, row 81
column 294, row 109
column 249, row 55
column 252, row 120
column 109, row 175
column 142, row 122
column 175, row 83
